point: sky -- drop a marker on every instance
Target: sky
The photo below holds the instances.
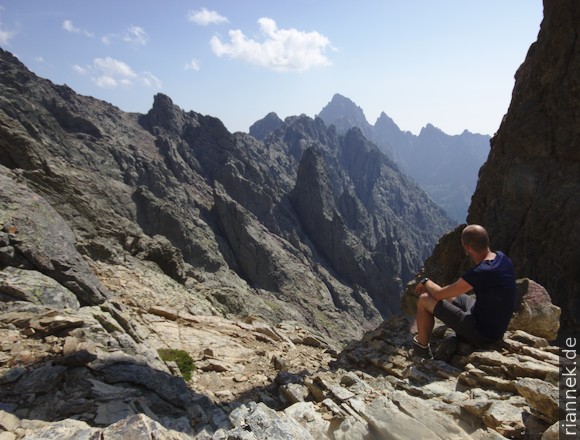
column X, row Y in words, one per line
column 450, row 63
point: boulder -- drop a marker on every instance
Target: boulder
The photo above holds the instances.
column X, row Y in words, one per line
column 33, row 286
column 267, row 424
column 138, row 427
column 8, row 422
column 535, row 313
column 542, row 397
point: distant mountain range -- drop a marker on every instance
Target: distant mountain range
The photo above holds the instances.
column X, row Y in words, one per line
column 445, row 166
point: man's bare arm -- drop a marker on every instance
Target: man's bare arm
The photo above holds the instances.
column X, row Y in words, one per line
column 451, row 291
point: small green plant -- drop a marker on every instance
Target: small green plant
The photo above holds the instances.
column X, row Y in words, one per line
column 181, row 358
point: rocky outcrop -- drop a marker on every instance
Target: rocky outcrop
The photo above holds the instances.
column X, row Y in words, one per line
column 34, row 237
column 90, row 363
column 316, row 208
column 528, row 189
column 510, row 388
column 95, row 372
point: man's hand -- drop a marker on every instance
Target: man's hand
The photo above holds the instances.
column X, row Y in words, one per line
column 420, row 288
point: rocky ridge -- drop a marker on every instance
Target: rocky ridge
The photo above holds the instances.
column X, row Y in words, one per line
column 217, row 211
column 445, row 166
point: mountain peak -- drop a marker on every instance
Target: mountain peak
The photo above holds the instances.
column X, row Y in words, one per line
column 262, row 128
column 431, row 130
column 343, row 113
column 164, row 113
column 385, row 120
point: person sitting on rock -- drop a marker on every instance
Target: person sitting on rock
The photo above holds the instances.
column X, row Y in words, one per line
column 478, row 319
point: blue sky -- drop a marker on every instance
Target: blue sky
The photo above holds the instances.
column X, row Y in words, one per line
column 449, row 62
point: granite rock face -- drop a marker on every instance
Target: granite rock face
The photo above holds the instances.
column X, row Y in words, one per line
column 35, row 237
column 527, row 194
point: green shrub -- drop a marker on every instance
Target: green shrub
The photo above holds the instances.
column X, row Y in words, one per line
column 181, row 358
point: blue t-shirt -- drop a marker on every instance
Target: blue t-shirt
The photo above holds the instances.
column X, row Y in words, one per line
column 494, row 285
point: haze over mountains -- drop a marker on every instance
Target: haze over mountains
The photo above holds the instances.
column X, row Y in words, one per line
column 445, row 166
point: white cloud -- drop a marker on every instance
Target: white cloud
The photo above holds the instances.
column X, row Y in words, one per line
column 5, row 35
column 136, row 35
column 107, row 82
column 150, row 80
column 114, row 67
column 111, row 73
column 68, row 26
column 108, row 39
column 281, row 50
column 204, row 17
column 79, row 69
column 193, row 65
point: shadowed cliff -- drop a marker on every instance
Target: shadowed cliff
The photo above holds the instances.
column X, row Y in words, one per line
column 527, row 193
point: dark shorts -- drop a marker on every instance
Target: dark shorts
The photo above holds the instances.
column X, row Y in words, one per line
column 457, row 316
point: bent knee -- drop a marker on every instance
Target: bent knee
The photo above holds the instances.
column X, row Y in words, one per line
column 424, row 297
column 426, row 302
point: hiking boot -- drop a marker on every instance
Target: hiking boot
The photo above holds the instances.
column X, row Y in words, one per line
column 446, row 349
column 422, row 351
